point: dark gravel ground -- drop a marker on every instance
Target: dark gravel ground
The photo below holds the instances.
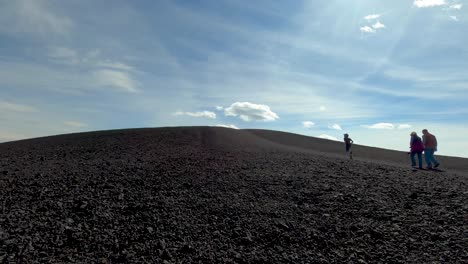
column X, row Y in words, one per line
column 215, row 195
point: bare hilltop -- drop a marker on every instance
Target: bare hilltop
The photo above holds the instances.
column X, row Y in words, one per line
column 218, row 195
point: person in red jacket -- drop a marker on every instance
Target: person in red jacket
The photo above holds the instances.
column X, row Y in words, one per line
column 430, row 146
column 416, row 147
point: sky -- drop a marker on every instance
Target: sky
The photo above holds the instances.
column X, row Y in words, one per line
column 377, row 70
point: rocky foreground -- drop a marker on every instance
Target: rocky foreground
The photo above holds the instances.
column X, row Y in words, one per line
column 215, row 195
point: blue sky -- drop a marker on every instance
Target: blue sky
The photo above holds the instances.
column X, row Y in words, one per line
column 374, row 69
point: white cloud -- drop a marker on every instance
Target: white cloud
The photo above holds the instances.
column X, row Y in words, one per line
column 32, row 16
column 308, row 124
column 75, row 124
column 227, row 126
column 249, row 111
column 429, row 3
column 206, row 114
column 335, row 126
column 378, row 25
column 454, row 18
column 380, row 126
column 404, row 126
column 7, row 106
column 372, row 16
column 456, row 6
column 322, row 108
column 116, row 79
column 367, row 29
column 325, row 136
column 114, row 65
column 219, row 108
column 64, row 55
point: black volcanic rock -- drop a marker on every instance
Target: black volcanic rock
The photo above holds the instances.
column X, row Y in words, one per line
column 216, row 195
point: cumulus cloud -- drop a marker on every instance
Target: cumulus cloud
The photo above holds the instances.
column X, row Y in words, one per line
column 75, row 124
column 335, row 126
column 227, row 126
column 13, row 107
column 380, row 126
column 325, row 136
column 206, row 114
column 116, row 79
column 367, row 29
column 308, row 124
column 378, row 25
column 219, row 108
column 404, row 126
column 249, row 111
column 429, row 3
column 372, row 16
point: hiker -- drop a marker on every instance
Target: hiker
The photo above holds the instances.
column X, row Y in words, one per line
column 416, row 147
column 348, row 142
column 430, row 146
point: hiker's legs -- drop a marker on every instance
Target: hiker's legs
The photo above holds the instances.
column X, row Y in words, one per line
column 429, row 155
column 420, row 159
column 413, row 161
column 433, row 160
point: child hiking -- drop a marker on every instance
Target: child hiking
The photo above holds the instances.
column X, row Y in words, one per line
column 348, row 142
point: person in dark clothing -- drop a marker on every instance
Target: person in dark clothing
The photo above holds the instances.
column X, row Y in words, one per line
column 416, row 147
column 348, row 142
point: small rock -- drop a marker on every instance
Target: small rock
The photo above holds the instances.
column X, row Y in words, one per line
column 161, row 244
column 70, row 221
column 150, row 230
column 413, row 196
column 166, row 255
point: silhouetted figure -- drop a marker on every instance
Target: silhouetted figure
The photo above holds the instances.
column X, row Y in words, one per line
column 417, row 147
column 430, row 146
column 348, row 142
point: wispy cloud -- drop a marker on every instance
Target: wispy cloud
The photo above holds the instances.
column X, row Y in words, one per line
column 322, row 108
column 404, row 126
column 64, row 55
column 116, row 79
column 219, row 108
column 308, row 124
column 335, row 126
column 75, row 124
column 227, row 126
column 7, row 136
column 14, row 107
column 114, row 65
column 429, row 3
column 456, row 6
column 454, row 18
column 32, row 16
column 380, row 126
column 325, row 136
column 207, row 114
column 249, row 111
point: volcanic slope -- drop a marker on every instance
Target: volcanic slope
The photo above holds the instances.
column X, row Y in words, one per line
column 218, row 195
